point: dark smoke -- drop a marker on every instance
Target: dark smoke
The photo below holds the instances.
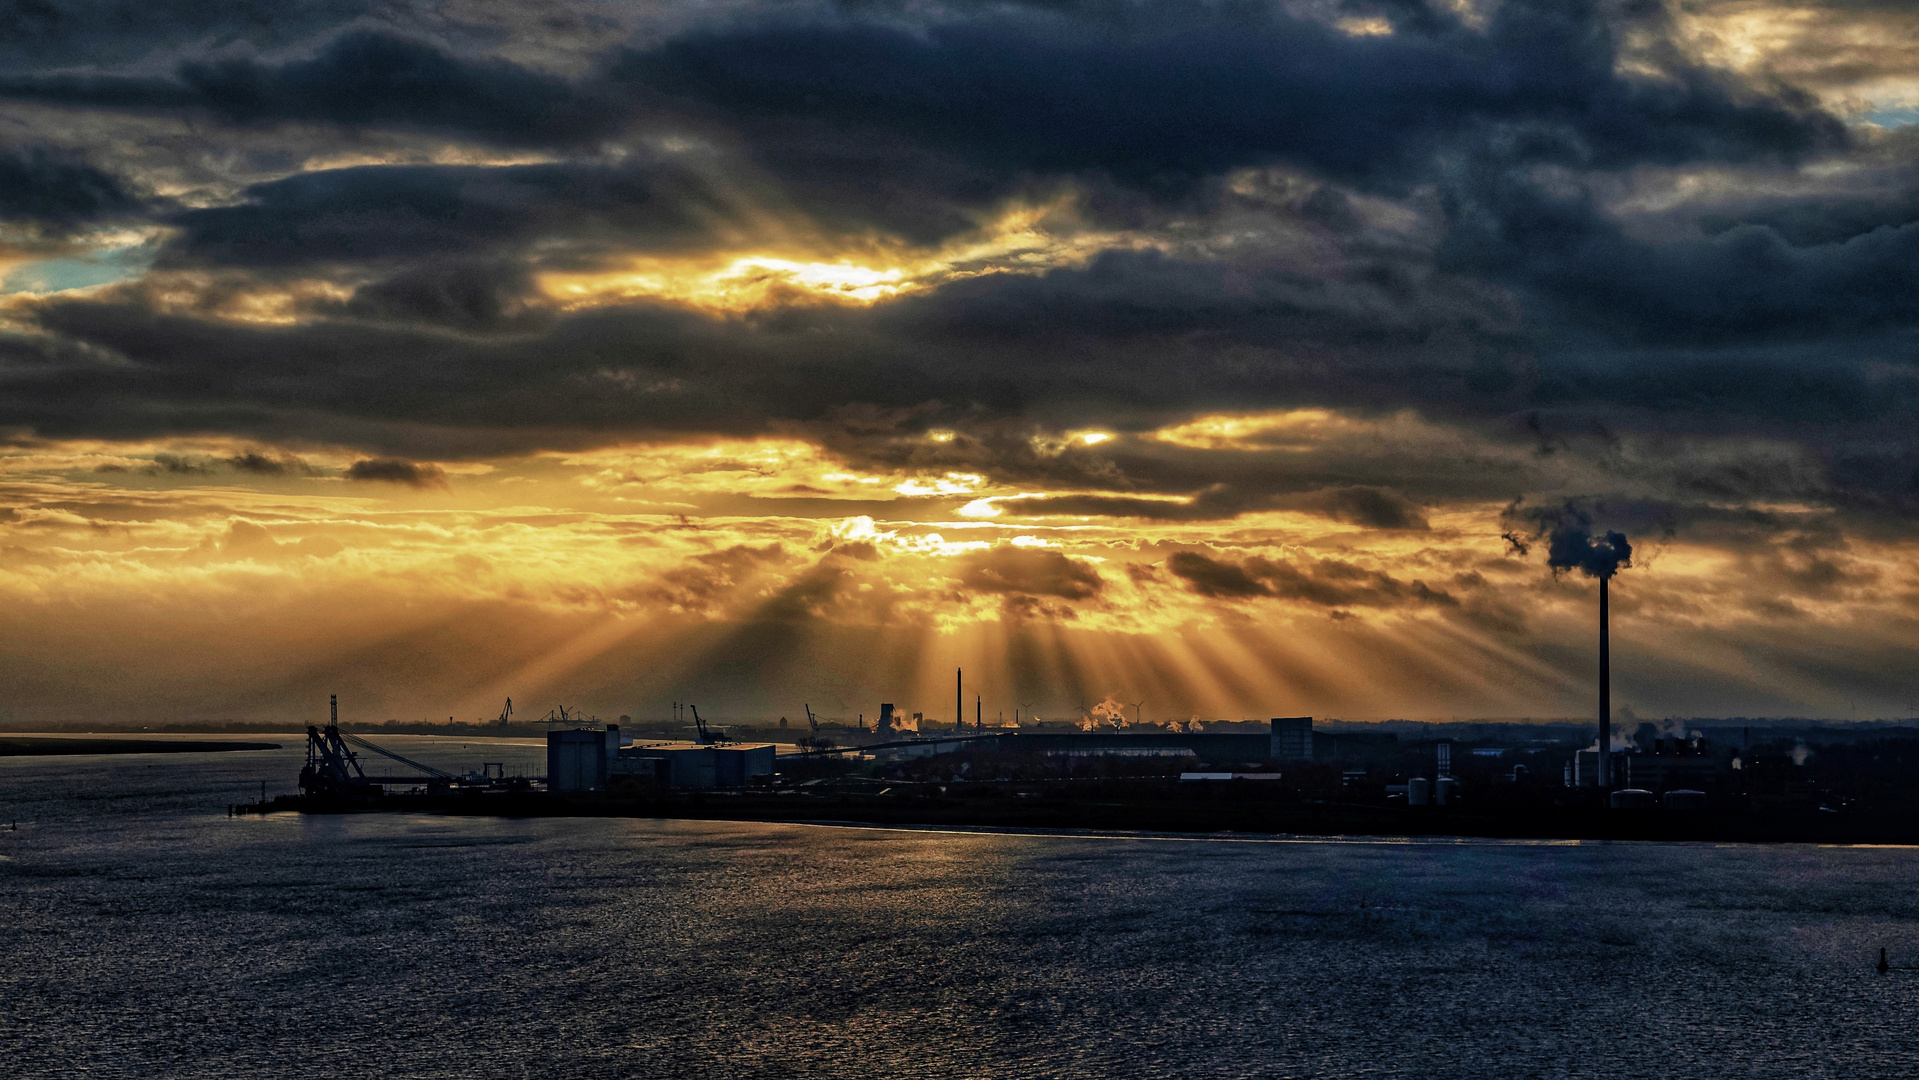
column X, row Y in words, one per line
column 1572, row 547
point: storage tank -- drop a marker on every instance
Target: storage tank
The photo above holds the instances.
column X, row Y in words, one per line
column 1445, row 789
column 1419, row 791
column 1685, row 800
column 1633, row 799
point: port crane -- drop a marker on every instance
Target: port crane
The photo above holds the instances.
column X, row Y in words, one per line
column 334, row 769
column 368, row 744
column 506, row 713
column 707, row 738
column 810, row 743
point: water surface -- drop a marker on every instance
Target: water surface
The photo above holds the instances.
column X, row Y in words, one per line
column 144, row 933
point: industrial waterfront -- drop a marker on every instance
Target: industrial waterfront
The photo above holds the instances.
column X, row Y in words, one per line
column 1284, row 777
column 148, row 934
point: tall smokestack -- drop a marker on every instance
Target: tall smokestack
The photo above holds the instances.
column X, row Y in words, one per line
column 1573, row 547
column 1605, row 689
column 959, row 698
column 333, row 707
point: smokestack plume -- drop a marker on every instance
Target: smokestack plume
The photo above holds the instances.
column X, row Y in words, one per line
column 1571, row 546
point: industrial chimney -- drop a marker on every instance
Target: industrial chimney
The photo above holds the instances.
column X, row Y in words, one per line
column 1605, row 688
column 1573, row 547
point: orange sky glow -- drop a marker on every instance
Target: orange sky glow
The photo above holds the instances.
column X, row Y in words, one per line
column 767, row 358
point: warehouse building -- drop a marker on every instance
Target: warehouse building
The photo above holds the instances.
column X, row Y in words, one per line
column 581, row 759
column 590, row 760
column 694, row 765
column 1288, row 739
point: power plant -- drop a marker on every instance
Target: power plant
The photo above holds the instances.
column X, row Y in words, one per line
column 1101, row 770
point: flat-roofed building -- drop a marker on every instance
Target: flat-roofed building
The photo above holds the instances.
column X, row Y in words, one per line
column 695, row 765
column 578, row 760
column 1292, row 738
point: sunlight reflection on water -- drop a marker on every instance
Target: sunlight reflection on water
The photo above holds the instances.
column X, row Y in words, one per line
column 144, row 933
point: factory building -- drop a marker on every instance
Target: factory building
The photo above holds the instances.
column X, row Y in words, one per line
column 673, row 765
column 1654, row 765
column 738, row 766
column 1209, row 745
column 691, row 765
column 581, row 759
column 588, row 760
column 1669, row 772
column 933, row 747
column 1583, row 770
column 1289, row 739
column 1292, row 738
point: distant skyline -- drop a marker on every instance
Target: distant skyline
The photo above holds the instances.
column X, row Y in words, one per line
column 1235, row 358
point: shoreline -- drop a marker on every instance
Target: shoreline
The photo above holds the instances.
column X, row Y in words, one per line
column 80, row 745
column 1195, row 817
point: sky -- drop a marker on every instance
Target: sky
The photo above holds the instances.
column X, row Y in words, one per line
column 1220, row 360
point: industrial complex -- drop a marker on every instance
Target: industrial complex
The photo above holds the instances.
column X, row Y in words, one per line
column 1286, row 774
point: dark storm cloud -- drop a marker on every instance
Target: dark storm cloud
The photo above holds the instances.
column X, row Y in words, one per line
column 608, row 371
column 1818, row 222
column 853, row 181
column 1147, row 293
column 461, row 295
column 375, row 213
column 1149, row 94
column 1746, row 284
column 1325, row 582
column 57, row 33
column 397, row 471
column 398, row 387
column 270, row 465
column 1374, row 507
column 1377, row 508
column 1214, row 503
column 176, row 465
column 871, row 381
column 705, row 581
column 1031, row 571
column 47, row 187
column 360, row 79
column 1216, row 578
column 889, row 123
column 613, row 371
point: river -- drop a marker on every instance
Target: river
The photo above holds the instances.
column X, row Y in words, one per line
column 145, row 933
